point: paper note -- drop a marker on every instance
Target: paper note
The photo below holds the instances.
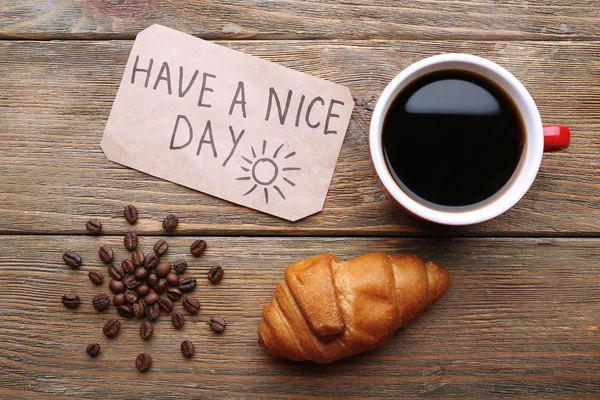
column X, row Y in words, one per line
column 227, row 124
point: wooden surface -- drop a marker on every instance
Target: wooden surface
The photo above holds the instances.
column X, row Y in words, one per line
column 509, row 326
column 56, row 177
column 520, row 319
column 293, row 19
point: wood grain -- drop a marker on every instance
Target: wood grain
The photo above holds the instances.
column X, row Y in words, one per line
column 520, row 320
column 55, row 98
column 294, row 19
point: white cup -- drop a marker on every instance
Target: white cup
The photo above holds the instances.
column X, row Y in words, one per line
column 538, row 140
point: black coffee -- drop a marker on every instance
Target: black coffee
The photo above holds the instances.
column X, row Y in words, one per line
column 452, row 138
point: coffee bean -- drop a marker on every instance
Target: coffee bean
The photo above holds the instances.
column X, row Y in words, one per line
column 95, row 276
column 143, row 362
column 180, row 266
column 71, row 300
column 128, row 266
column 106, row 254
column 215, row 274
column 125, row 310
column 72, row 259
column 174, row 293
column 137, row 258
column 130, row 282
column 116, row 271
column 217, row 324
column 161, row 247
column 130, row 240
column 152, row 280
column 100, row 302
column 191, row 304
column 142, row 290
column 93, row 349
column 151, row 260
column 131, row 296
column 187, row 284
column 170, row 222
column 177, row 320
column 131, row 214
column 146, row 330
column 119, row 299
column 151, row 298
column 172, row 279
column 139, row 309
column 162, row 269
column 198, row 247
column 93, row 226
column 111, row 328
column 187, row 349
column 160, row 286
column 165, row 304
column 116, row 286
column 153, row 311
column 141, row 273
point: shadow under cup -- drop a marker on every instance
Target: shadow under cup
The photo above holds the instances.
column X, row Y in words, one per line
column 523, row 174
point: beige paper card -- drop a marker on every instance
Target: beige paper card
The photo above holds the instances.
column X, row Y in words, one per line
column 228, row 124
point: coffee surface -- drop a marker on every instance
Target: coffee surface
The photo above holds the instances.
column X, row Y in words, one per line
column 452, row 138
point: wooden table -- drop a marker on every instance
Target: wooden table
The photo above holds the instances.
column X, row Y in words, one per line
column 521, row 317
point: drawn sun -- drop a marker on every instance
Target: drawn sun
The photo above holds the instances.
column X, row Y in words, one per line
column 265, row 171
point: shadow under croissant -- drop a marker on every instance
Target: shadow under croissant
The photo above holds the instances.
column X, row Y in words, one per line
column 389, row 353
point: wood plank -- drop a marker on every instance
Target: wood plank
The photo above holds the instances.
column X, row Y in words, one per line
column 293, row 19
column 520, row 320
column 56, row 96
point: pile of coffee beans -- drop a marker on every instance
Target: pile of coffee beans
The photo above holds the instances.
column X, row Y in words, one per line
column 144, row 286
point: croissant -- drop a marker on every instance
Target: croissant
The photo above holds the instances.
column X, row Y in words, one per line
column 326, row 309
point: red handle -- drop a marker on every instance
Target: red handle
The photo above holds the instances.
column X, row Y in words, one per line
column 556, row 138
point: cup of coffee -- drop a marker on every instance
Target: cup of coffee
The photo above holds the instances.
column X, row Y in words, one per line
column 456, row 139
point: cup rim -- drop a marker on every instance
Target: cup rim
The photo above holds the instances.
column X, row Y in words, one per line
column 530, row 161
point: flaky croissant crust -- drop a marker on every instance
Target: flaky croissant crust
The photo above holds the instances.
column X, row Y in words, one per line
column 326, row 309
